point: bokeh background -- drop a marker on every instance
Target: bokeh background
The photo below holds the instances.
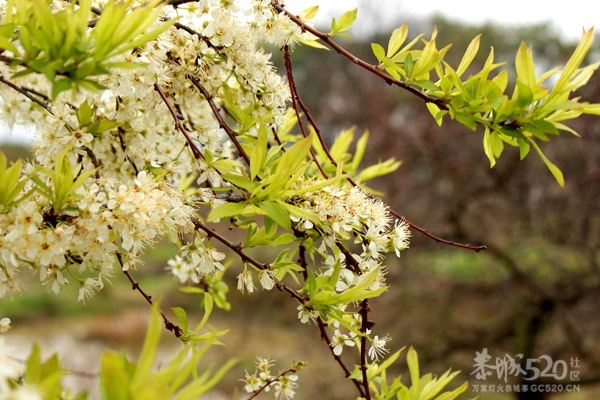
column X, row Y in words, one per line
column 534, row 292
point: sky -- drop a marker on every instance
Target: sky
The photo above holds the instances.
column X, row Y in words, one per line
column 569, row 16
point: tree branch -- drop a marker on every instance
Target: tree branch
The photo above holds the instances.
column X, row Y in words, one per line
column 176, row 329
column 371, row 68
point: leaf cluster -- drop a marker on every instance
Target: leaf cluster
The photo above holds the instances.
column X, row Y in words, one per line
column 10, row 183
column 69, row 48
column 178, row 379
column 534, row 112
column 423, row 387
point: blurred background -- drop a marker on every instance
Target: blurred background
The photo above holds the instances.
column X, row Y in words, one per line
column 534, row 292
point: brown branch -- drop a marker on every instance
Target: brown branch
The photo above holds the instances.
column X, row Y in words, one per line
column 325, row 337
column 26, row 93
column 366, row 325
column 371, row 68
column 95, row 161
column 219, row 117
column 436, row 238
column 197, row 152
column 176, row 329
column 297, row 101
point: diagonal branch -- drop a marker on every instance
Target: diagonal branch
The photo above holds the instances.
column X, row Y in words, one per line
column 358, row 61
column 219, row 117
column 178, row 124
column 176, row 329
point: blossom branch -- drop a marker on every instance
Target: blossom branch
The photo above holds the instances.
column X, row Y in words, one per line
column 176, row 329
column 26, row 93
column 371, row 68
column 280, row 375
column 178, row 124
column 237, row 248
column 219, row 117
column 325, row 337
column 297, row 101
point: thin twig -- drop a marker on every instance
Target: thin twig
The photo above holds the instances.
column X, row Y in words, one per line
column 197, row 152
column 176, row 329
column 295, row 101
column 366, row 325
column 436, row 238
column 26, row 93
column 219, row 117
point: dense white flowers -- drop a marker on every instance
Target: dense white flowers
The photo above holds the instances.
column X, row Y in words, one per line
column 107, row 217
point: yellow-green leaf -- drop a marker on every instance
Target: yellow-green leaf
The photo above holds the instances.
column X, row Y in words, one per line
column 397, row 40
column 469, row 55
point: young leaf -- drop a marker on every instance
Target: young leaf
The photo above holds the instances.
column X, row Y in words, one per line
column 469, row 55
column 397, row 40
column 556, row 172
column 345, row 21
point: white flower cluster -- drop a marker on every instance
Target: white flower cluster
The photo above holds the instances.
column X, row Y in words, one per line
column 284, row 385
column 109, row 216
column 128, row 129
column 345, row 212
column 196, row 259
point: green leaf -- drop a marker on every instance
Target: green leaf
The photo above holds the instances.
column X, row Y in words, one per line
column 308, row 13
column 344, row 22
column 412, row 359
column 469, row 55
column 84, row 113
column 208, row 307
column 10, row 187
column 114, row 377
column 241, row 181
column 378, row 51
column 258, row 152
column 523, row 148
column 397, row 40
column 435, row 112
column 277, row 213
column 148, row 354
column 556, row 172
column 226, row 210
column 181, row 317
column 525, row 66
column 102, row 125
column 576, row 59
